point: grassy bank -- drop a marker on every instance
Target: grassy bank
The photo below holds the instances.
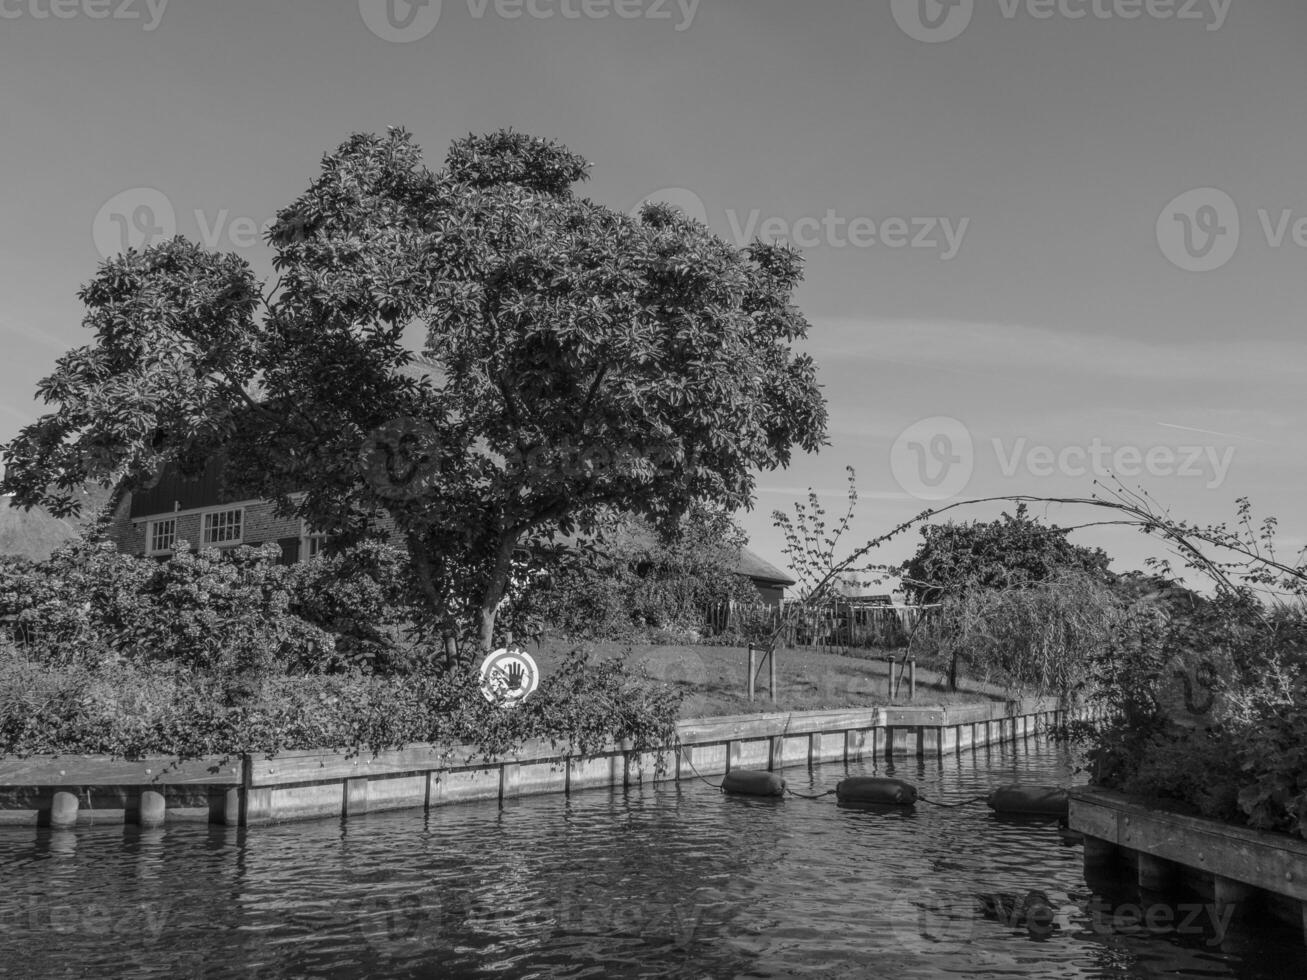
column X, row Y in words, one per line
column 712, row 680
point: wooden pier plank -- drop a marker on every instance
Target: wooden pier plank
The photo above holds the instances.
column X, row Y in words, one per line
column 1273, row 862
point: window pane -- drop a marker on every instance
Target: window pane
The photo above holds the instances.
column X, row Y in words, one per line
column 222, row 527
column 162, row 534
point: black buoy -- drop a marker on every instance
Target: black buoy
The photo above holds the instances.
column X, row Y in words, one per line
column 749, row 782
column 1030, row 801
column 877, row 790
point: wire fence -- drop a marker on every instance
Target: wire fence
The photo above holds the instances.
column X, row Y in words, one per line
column 841, row 625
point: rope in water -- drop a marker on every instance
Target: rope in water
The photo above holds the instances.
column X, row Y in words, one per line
column 818, row 796
column 690, row 763
column 950, row 806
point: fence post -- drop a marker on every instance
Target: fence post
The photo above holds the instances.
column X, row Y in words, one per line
column 751, row 671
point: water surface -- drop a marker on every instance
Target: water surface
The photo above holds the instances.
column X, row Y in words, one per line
column 672, row 881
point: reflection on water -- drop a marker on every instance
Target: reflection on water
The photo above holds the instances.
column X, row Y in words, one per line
column 658, row 882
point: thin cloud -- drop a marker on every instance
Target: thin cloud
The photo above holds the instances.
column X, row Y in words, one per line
column 34, row 334
column 1213, row 432
column 987, row 348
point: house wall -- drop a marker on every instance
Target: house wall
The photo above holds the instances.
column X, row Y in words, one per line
column 260, row 524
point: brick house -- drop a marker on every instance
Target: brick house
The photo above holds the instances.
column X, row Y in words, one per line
column 151, row 521
column 197, row 511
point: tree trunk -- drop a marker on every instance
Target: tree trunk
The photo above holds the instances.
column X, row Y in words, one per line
column 438, row 607
column 495, row 589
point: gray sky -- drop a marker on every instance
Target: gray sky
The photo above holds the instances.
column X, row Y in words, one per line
column 994, row 225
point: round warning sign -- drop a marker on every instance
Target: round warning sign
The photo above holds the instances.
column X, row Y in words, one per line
column 508, row 677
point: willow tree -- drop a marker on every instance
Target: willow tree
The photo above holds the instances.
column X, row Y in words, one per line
column 582, row 362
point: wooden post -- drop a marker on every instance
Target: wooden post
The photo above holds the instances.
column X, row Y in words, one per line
column 1231, row 894
column 752, row 670
column 890, row 661
column 912, row 679
column 231, row 806
column 354, row 801
column 1155, row 874
column 771, row 671
column 1098, row 852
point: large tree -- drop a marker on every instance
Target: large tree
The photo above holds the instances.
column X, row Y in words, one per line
column 583, row 362
column 1014, row 551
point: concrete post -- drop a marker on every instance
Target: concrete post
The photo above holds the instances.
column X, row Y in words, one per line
column 152, row 809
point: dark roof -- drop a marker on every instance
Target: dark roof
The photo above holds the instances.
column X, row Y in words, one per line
column 751, row 565
column 761, row 570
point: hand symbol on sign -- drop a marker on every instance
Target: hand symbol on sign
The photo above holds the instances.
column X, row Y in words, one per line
column 514, row 677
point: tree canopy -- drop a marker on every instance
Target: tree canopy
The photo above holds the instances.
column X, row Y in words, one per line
column 581, row 362
column 1015, row 550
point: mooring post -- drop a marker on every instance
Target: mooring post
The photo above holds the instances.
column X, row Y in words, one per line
column 1098, row 852
column 231, row 806
column 1231, row 894
column 63, row 810
column 152, row 808
column 752, row 670
column 1155, row 874
column 890, row 661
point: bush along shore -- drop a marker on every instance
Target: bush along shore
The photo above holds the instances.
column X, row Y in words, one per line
column 1205, row 702
column 206, row 654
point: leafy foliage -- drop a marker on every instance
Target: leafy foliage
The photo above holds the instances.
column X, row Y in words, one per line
column 640, row 583
column 238, row 615
column 1216, row 687
column 1039, row 639
column 1016, row 550
column 130, row 710
column 580, row 362
column 211, row 654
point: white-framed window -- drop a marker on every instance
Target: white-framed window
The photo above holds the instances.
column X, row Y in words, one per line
column 223, row 527
column 311, row 542
column 161, row 535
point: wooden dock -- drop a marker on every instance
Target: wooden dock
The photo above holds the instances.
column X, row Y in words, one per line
column 261, row 789
column 1237, row 868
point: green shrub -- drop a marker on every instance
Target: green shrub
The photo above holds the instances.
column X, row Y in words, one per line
column 135, row 709
column 237, row 614
column 1040, row 638
column 1207, row 709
